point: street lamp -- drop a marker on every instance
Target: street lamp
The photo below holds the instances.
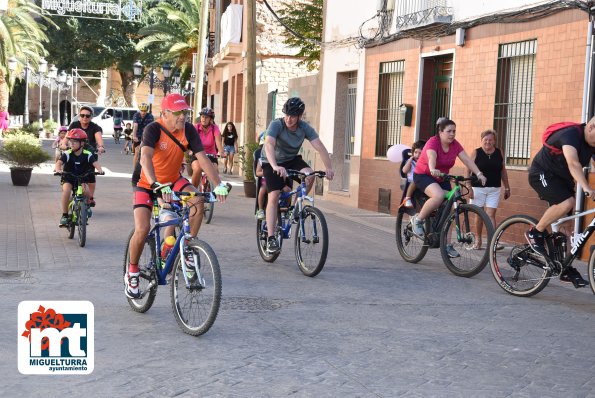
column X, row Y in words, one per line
column 52, row 74
column 166, row 74
column 43, row 64
column 69, row 82
column 61, row 80
column 177, row 77
column 12, row 66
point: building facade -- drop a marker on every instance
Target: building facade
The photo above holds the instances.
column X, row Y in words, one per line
column 516, row 70
column 276, row 64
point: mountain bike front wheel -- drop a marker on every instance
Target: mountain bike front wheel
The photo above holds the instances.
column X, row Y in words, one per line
column 147, row 277
column 82, row 222
column 311, row 241
column 71, row 226
column 516, row 267
column 460, row 237
column 196, row 305
column 209, row 206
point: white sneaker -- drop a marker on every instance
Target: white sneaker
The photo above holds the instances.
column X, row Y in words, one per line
column 417, row 226
column 131, row 281
column 260, row 215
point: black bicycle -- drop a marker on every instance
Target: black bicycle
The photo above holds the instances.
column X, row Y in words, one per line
column 78, row 210
column 454, row 228
column 522, row 272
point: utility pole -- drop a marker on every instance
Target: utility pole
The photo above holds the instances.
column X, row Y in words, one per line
column 250, row 93
column 200, row 69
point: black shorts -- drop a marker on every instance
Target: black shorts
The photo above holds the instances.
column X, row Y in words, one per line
column 274, row 181
column 422, row 181
column 72, row 181
column 551, row 188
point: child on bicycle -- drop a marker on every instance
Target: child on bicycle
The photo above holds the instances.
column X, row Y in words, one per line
column 408, row 169
column 78, row 161
column 127, row 139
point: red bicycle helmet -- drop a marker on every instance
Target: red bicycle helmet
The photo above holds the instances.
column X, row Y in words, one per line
column 77, row 134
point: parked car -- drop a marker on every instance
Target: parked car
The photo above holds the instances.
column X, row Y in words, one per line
column 104, row 116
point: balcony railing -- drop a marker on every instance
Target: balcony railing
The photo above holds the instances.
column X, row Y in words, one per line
column 418, row 13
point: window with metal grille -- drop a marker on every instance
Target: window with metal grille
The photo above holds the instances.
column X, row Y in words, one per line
column 390, row 97
column 224, row 104
column 513, row 111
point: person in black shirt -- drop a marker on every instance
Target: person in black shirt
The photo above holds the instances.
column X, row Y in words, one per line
column 491, row 163
column 94, row 140
column 552, row 176
column 230, row 145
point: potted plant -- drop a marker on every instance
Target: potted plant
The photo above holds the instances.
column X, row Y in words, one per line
column 50, row 126
column 246, row 160
column 22, row 152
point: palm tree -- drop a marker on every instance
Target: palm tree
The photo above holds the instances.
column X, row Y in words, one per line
column 20, row 37
column 174, row 35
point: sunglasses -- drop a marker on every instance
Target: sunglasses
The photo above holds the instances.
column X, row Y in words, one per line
column 85, row 115
column 179, row 113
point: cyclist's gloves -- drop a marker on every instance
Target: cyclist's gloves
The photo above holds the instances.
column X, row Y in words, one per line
column 221, row 189
column 159, row 188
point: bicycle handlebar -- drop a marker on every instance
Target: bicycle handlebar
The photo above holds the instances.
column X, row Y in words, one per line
column 472, row 178
column 297, row 173
column 68, row 173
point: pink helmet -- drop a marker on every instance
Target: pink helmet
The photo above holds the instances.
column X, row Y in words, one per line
column 63, row 128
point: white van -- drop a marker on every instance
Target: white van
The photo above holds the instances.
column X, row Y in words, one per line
column 104, row 116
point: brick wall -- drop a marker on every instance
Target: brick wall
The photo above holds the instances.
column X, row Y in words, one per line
column 559, row 74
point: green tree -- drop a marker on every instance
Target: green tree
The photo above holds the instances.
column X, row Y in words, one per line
column 174, row 33
column 100, row 44
column 22, row 37
column 304, row 18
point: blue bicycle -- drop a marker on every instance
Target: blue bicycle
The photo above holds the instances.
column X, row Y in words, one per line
column 191, row 268
column 311, row 232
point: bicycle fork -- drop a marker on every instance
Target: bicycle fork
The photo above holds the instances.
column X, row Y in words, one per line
column 184, row 253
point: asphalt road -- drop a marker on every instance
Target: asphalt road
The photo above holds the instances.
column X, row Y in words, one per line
column 370, row 325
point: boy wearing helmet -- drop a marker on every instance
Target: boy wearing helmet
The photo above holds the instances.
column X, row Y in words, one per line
column 283, row 141
column 76, row 160
column 210, row 137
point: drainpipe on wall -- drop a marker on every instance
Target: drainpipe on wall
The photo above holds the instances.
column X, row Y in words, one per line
column 587, row 87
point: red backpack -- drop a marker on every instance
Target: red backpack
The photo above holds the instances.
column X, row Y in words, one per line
column 555, row 128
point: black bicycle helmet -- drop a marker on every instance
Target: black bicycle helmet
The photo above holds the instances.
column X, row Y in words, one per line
column 294, row 107
column 206, row 111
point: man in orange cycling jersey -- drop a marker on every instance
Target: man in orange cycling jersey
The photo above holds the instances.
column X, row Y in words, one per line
column 161, row 158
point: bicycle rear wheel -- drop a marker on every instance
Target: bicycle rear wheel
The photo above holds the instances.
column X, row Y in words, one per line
column 261, row 240
column 147, row 282
column 196, row 306
column 411, row 248
column 82, row 222
column 311, row 241
column 460, row 254
column 517, row 268
column 209, row 207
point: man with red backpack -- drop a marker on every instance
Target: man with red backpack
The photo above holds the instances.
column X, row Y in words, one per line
column 567, row 148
